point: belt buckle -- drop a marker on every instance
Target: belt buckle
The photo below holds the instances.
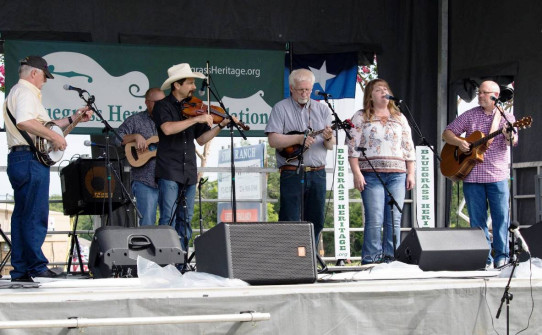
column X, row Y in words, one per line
column 308, row 169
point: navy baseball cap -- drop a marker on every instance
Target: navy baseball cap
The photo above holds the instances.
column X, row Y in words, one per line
column 38, row 63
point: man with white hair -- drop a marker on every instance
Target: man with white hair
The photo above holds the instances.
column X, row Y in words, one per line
column 487, row 183
column 25, row 117
column 288, row 124
column 176, row 168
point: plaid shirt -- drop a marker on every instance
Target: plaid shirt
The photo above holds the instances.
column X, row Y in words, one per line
column 495, row 166
column 141, row 123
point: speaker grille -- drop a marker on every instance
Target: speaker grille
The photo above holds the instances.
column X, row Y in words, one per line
column 274, row 247
column 259, row 253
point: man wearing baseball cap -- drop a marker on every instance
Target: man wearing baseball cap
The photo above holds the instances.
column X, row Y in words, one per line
column 25, row 117
column 176, row 168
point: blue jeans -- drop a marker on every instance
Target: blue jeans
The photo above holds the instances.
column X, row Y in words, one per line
column 378, row 215
column 169, row 192
column 478, row 196
column 30, row 181
column 146, row 201
column 315, row 198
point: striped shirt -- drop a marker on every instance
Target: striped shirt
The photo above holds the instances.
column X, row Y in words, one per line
column 495, row 166
column 287, row 116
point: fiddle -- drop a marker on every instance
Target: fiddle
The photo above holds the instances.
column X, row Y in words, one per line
column 194, row 107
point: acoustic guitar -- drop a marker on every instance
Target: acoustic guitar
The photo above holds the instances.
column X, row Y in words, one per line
column 294, row 151
column 456, row 165
column 137, row 158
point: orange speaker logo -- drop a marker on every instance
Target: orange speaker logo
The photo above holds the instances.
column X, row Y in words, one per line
column 96, row 182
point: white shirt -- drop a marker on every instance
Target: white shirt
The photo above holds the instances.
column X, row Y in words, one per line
column 24, row 102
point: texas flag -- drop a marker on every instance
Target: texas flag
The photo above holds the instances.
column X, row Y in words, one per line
column 335, row 73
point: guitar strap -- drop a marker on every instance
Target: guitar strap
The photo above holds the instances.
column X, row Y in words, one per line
column 23, row 133
column 494, row 126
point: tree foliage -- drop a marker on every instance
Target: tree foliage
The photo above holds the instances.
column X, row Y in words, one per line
column 84, row 222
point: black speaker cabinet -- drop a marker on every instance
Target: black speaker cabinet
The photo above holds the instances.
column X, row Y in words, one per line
column 533, row 236
column 114, row 250
column 259, row 252
column 444, row 249
column 84, row 187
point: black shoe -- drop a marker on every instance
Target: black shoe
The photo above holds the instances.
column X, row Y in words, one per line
column 388, row 259
column 47, row 274
column 25, row 279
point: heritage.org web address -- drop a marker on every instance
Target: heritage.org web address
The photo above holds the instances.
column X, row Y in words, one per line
column 231, row 71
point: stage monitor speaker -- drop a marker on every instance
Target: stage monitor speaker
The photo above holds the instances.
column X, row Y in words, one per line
column 114, row 250
column 444, row 249
column 84, row 187
column 533, row 236
column 259, row 252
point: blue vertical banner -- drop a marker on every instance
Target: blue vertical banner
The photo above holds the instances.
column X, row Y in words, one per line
column 335, row 73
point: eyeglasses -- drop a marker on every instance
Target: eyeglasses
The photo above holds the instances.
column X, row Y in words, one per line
column 303, row 90
column 484, row 92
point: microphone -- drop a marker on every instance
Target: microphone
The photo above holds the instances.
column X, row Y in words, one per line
column 92, row 144
column 514, row 229
column 71, row 88
column 306, row 133
column 362, row 149
column 323, row 94
column 203, row 87
column 390, row 97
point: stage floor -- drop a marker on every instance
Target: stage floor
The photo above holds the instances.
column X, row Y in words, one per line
column 388, row 299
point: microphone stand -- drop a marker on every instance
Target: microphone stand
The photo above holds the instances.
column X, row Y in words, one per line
column 200, row 184
column 339, row 124
column 392, row 201
column 231, row 124
column 423, row 140
column 507, row 296
column 181, row 198
column 511, row 131
column 107, row 129
column 6, row 257
column 301, row 167
column 337, row 121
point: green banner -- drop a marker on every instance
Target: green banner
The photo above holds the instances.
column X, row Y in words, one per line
column 249, row 82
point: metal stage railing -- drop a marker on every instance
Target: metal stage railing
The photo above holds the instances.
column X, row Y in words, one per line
column 264, row 198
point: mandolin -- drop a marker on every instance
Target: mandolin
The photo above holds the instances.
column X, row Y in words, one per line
column 294, row 151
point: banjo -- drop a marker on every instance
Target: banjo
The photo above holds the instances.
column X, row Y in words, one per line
column 46, row 154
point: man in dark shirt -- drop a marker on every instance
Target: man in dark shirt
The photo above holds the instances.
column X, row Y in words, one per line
column 137, row 129
column 176, row 168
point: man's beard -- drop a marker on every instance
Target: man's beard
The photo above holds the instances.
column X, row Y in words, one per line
column 302, row 101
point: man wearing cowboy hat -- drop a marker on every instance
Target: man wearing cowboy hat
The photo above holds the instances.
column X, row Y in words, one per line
column 176, row 168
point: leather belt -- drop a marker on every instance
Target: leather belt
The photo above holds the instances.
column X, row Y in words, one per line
column 307, row 168
column 20, row 148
